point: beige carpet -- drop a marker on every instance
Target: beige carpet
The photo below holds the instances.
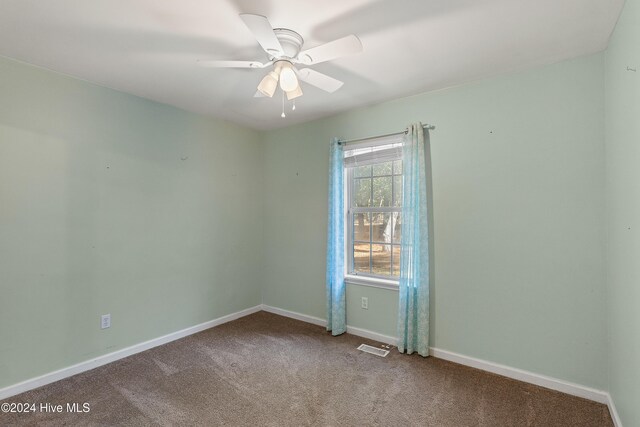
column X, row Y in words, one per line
column 269, row 370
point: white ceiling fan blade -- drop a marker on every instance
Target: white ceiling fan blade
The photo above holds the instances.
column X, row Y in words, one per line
column 232, row 64
column 319, row 80
column 348, row 45
column 263, row 32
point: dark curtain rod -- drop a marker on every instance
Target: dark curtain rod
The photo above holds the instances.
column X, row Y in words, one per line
column 348, row 141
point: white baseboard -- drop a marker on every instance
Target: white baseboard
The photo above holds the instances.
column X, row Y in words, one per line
column 87, row 365
column 506, row 371
column 525, row 376
column 613, row 411
column 322, row 322
column 294, row 315
column 365, row 333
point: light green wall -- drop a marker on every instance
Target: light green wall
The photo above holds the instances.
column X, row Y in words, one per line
column 623, row 212
column 518, row 188
column 99, row 213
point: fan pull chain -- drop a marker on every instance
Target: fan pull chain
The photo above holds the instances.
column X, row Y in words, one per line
column 294, row 106
column 283, row 115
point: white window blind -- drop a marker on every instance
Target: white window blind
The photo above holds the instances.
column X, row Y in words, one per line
column 373, row 151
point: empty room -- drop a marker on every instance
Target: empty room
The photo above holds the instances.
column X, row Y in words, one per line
column 320, row 213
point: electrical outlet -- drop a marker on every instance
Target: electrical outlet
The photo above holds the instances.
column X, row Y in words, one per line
column 365, row 303
column 105, row 321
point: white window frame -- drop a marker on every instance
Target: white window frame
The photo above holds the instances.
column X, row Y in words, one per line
column 351, row 277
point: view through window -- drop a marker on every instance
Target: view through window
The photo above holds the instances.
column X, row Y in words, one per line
column 374, row 219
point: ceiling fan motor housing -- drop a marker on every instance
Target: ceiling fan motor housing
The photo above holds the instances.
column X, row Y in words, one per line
column 290, row 41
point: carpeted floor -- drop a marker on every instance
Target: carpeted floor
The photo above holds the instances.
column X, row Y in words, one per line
column 269, row 370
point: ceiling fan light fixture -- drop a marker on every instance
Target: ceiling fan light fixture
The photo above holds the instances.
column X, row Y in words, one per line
column 284, row 51
column 293, row 94
column 268, row 85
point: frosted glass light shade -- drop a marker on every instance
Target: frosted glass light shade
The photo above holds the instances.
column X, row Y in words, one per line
column 288, row 79
column 293, row 94
column 268, row 85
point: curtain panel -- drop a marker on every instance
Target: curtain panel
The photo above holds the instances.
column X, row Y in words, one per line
column 413, row 310
column 336, row 288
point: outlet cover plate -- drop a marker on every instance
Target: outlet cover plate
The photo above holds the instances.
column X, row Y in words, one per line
column 105, row 321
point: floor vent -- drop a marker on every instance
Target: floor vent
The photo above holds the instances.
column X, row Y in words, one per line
column 373, row 350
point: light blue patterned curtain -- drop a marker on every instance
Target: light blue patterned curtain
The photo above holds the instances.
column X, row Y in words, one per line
column 413, row 312
column 336, row 291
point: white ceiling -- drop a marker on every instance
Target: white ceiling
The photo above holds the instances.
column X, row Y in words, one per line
column 149, row 47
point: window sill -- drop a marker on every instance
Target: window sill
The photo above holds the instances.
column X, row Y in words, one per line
column 371, row 281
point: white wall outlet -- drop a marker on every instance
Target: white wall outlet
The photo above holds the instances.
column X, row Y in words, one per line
column 105, row 321
column 365, row 303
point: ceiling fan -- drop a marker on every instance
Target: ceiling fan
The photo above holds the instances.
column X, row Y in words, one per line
column 284, row 51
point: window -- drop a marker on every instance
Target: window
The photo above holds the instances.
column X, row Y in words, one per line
column 374, row 207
